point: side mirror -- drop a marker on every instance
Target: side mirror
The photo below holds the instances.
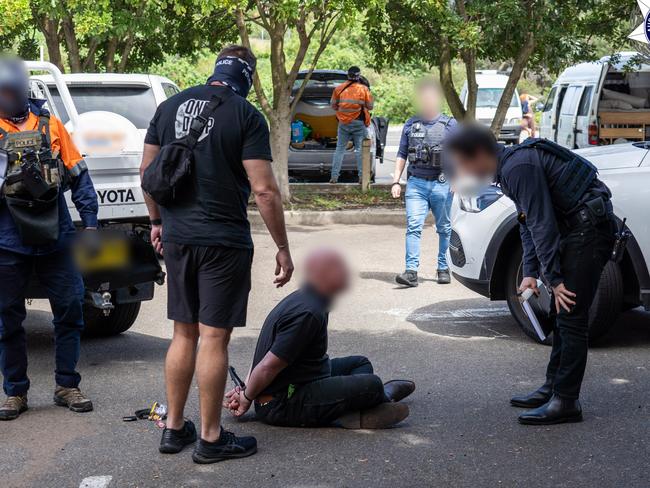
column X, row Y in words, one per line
column 539, row 107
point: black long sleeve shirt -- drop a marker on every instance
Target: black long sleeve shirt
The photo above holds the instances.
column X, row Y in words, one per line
column 526, row 176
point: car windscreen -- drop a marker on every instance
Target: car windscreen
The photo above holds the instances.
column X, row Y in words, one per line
column 489, row 98
column 136, row 103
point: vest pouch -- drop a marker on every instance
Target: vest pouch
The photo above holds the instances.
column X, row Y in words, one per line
column 37, row 220
column 576, row 177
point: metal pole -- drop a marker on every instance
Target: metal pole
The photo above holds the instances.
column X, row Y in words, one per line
column 365, row 165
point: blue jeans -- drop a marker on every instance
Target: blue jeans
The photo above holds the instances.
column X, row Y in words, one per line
column 355, row 131
column 65, row 290
column 421, row 196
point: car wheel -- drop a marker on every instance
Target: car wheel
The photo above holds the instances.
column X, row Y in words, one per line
column 513, row 279
column 604, row 311
column 121, row 318
column 608, row 302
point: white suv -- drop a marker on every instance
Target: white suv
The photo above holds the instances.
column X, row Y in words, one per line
column 486, row 250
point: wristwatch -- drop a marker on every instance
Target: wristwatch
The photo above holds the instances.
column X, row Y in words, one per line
column 155, row 221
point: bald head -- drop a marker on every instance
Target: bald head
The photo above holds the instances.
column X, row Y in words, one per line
column 327, row 272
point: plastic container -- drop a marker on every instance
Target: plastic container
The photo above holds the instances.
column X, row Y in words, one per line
column 297, row 131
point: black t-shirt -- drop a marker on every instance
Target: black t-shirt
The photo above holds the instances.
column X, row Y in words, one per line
column 296, row 331
column 211, row 211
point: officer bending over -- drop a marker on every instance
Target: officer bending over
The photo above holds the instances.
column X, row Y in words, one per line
column 293, row 381
column 35, row 231
column 426, row 187
column 567, row 231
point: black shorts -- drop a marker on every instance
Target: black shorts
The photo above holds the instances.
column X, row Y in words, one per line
column 208, row 284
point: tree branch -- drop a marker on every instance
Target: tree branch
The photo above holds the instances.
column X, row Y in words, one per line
column 259, row 90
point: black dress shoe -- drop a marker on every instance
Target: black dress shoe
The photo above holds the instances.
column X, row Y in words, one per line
column 535, row 399
column 173, row 441
column 556, row 411
column 228, row 446
column 397, row 390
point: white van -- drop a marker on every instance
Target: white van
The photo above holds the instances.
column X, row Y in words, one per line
column 491, row 84
column 599, row 103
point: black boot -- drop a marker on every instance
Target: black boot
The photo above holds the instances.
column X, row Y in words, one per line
column 397, row 390
column 535, row 399
column 407, row 278
column 557, row 411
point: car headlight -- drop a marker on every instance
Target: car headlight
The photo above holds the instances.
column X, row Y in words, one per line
column 514, row 121
column 480, row 202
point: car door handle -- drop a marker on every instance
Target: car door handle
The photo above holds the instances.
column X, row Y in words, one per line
column 577, row 131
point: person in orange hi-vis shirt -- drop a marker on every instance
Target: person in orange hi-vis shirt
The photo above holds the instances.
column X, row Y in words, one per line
column 353, row 102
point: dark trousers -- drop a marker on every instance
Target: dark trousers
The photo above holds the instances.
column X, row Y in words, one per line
column 64, row 286
column 352, row 387
column 584, row 252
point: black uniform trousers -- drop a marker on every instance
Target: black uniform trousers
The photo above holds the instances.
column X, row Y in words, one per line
column 584, row 251
column 351, row 387
column 64, row 287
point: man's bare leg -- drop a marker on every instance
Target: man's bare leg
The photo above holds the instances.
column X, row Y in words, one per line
column 179, row 369
column 211, row 372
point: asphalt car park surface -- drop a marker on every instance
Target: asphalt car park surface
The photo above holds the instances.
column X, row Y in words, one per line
column 465, row 353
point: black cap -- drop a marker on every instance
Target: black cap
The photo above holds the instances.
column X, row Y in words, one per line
column 354, row 73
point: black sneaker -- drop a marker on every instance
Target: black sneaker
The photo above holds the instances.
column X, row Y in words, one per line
column 443, row 277
column 407, row 278
column 173, row 441
column 228, row 446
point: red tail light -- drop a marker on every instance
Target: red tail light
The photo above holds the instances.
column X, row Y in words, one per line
column 593, row 134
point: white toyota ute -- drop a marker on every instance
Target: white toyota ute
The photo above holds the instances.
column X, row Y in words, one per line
column 108, row 116
column 486, row 251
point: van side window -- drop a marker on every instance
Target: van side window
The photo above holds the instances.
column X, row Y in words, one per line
column 169, row 89
column 549, row 101
column 585, row 101
column 570, row 100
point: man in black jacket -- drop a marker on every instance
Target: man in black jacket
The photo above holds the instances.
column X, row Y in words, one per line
column 293, row 382
column 567, row 231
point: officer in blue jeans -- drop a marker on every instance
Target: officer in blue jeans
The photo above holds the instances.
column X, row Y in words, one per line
column 426, row 187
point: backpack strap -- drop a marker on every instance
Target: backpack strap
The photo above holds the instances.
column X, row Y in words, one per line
column 198, row 124
column 44, row 123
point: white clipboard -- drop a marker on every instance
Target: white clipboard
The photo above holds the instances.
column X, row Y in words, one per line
column 525, row 296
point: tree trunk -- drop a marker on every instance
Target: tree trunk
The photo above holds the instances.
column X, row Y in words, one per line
column 506, row 97
column 447, row 82
column 50, row 30
column 111, row 49
column 72, row 45
column 124, row 59
column 469, row 58
column 280, row 139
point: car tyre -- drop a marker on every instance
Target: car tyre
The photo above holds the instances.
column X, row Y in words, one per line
column 608, row 302
column 513, row 279
column 121, row 318
column 604, row 311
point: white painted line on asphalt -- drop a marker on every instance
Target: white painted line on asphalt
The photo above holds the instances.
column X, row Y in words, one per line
column 96, row 482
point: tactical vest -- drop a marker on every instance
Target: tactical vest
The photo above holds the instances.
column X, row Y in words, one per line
column 568, row 192
column 425, row 144
column 32, row 183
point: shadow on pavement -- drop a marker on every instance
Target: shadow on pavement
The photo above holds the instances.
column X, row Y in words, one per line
column 476, row 318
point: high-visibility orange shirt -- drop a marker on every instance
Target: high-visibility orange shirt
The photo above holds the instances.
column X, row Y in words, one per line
column 349, row 100
column 59, row 136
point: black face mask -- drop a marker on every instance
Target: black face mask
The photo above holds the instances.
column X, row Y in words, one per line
column 235, row 73
column 14, row 87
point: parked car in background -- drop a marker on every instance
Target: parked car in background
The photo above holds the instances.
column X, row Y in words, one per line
column 108, row 116
column 491, row 84
column 486, row 251
column 600, row 103
column 313, row 157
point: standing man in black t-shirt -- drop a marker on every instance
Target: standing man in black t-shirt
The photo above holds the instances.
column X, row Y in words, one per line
column 205, row 238
column 293, row 381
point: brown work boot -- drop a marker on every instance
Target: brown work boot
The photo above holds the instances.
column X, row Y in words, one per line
column 382, row 416
column 72, row 398
column 13, row 407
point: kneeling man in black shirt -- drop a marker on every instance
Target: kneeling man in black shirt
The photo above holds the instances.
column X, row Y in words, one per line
column 294, row 383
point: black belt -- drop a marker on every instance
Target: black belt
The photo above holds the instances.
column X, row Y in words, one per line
column 593, row 211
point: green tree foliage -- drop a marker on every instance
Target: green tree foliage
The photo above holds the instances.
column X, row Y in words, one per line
column 516, row 33
column 118, row 35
